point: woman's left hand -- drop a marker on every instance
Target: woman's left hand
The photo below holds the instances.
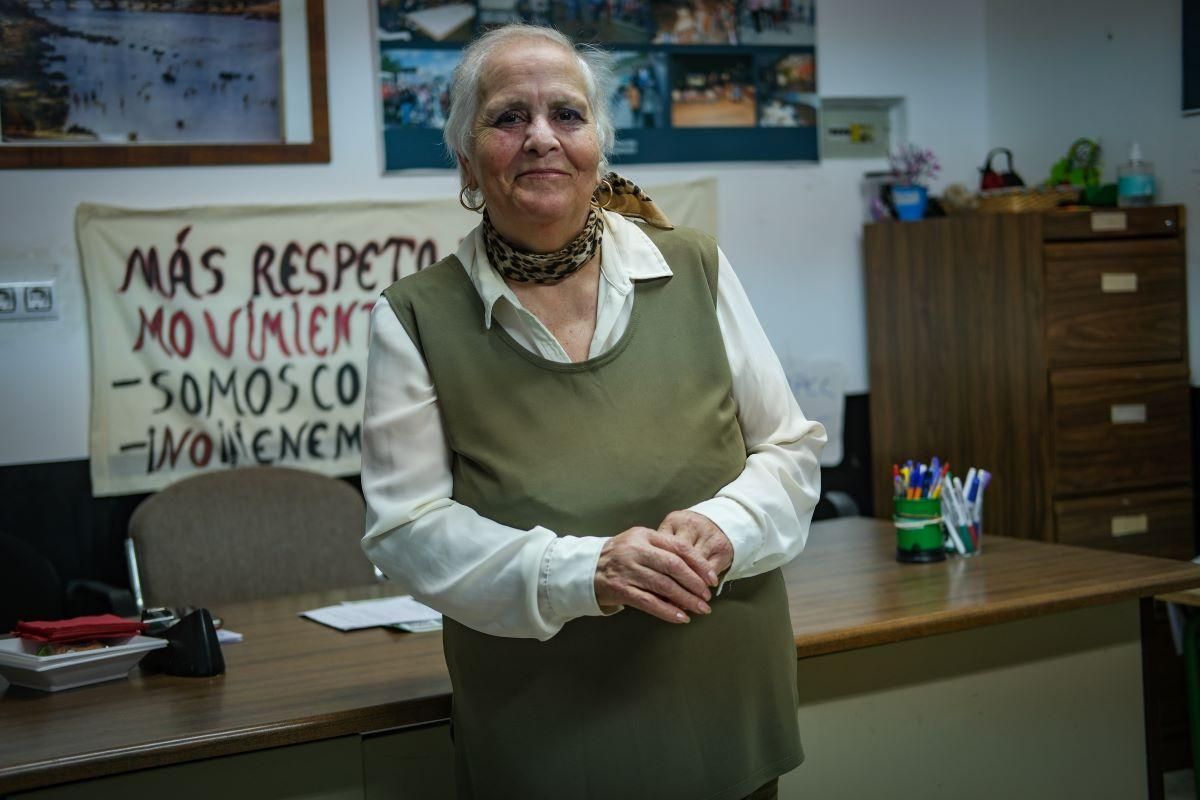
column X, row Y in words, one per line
column 703, row 534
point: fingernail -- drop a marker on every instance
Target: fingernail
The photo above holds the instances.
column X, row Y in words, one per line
column 682, row 617
column 712, row 578
column 704, row 609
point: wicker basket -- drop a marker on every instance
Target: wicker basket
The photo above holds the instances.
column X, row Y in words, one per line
column 1014, row 200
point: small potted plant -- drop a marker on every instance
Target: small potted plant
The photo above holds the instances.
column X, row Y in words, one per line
column 913, row 167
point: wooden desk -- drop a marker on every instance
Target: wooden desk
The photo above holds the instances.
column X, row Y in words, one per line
column 293, row 682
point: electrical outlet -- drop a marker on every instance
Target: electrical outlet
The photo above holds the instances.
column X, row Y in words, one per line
column 28, row 300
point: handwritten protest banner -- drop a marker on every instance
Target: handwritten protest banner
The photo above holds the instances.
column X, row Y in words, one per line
column 232, row 336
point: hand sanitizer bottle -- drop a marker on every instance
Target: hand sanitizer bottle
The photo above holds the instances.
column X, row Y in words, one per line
column 1135, row 180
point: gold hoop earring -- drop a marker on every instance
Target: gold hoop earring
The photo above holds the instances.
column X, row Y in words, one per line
column 611, row 193
column 463, row 202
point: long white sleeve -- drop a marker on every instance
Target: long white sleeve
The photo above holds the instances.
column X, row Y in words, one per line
column 510, row 582
column 488, row 576
column 766, row 511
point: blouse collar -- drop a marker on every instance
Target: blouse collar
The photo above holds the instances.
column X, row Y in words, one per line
column 626, row 255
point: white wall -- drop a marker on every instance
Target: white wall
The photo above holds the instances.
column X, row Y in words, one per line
column 1105, row 69
column 791, row 230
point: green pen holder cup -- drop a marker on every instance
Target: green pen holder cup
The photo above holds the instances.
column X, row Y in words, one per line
column 918, row 530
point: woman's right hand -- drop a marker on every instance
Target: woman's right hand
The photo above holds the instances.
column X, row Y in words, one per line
column 654, row 572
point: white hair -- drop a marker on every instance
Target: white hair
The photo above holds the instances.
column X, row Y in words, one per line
column 594, row 64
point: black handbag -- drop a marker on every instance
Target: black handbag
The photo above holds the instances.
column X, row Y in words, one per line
column 992, row 179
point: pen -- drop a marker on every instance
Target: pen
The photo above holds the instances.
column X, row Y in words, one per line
column 937, row 489
column 984, row 478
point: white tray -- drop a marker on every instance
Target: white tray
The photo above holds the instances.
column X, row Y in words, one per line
column 20, row 665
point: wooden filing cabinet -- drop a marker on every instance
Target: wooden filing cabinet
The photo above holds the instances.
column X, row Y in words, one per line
column 1050, row 348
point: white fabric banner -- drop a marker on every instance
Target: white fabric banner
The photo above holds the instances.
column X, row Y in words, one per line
column 237, row 335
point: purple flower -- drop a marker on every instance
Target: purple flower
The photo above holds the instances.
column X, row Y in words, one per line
column 914, row 165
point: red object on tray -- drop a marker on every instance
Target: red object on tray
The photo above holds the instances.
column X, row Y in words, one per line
column 100, row 626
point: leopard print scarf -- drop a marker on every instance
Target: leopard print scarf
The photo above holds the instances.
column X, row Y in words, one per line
column 625, row 198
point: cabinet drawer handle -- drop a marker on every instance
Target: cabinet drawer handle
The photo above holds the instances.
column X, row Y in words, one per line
column 1109, row 221
column 1128, row 413
column 1118, row 282
column 1130, row 524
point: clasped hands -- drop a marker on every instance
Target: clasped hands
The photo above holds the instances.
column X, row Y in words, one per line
column 669, row 572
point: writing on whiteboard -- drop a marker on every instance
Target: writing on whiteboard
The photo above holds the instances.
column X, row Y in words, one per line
column 820, row 388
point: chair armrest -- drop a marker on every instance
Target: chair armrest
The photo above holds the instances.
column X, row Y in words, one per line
column 96, row 597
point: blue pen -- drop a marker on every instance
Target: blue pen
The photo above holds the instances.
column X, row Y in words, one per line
column 917, row 482
column 982, row 479
column 968, row 482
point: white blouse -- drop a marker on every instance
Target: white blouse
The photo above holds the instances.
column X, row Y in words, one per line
column 529, row 583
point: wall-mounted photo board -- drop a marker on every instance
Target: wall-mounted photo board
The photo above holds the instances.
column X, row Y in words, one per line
column 698, row 80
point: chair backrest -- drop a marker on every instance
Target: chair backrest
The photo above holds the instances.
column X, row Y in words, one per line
column 248, row 533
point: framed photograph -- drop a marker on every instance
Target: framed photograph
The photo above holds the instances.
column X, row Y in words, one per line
column 605, row 21
column 695, row 22
column 494, row 13
column 415, row 87
column 192, row 82
column 712, row 91
column 426, row 20
column 787, row 87
column 642, row 97
column 781, row 23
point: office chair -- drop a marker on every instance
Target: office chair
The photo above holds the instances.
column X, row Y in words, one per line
column 246, row 534
column 31, row 589
column 29, row 585
column 834, row 504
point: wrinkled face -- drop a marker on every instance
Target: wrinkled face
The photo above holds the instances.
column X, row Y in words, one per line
column 537, row 151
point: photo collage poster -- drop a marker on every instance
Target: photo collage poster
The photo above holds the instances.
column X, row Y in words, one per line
column 697, row 80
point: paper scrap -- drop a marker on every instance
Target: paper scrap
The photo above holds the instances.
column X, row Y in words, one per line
column 352, row 616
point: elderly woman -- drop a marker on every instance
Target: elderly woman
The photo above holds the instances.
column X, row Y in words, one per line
column 580, row 447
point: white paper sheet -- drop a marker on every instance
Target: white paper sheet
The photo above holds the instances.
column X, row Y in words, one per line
column 820, row 389
column 352, row 616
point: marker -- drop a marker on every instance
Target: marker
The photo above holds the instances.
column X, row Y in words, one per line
column 984, row 478
column 960, row 508
column 952, row 529
column 941, row 479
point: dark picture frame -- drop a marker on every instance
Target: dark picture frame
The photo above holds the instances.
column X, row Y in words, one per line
column 82, row 156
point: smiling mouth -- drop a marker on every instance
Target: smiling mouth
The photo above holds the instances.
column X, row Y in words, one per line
column 542, row 173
